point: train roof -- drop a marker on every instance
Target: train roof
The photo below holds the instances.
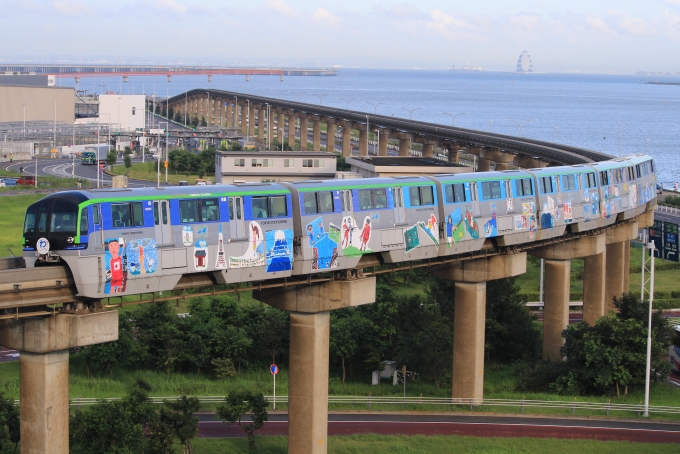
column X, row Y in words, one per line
column 638, row 158
column 481, row 176
column 358, row 183
column 613, row 164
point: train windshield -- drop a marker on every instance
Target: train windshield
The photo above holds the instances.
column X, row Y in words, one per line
column 29, row 222
column 63, row 218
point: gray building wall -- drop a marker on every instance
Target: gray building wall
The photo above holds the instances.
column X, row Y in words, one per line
column 226, row 172
column 26, row 80
column 40, row 102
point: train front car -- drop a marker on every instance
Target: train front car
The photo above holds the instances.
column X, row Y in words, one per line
column 642, row 179
column 55, row 227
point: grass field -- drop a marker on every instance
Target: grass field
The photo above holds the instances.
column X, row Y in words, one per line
column 147, row 171
column 379, row 444
column 13, row 209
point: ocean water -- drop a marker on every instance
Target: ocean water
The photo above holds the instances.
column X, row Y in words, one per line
column 607, row 113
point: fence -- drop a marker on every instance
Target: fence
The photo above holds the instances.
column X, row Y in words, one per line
column 440, row 403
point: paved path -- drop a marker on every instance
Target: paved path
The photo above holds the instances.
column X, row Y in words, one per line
column 468, row 425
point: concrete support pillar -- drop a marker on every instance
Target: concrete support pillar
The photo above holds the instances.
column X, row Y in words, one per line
column 428, row 150
column 251, row 121
column 468, row 340
column 346, row 140
column 291, row 131
column 220, row 111
column 270, row 127
column 501, row 166
column 308, row 383
column 209, row 113
column 593, row 287
column 404, row 147
column 230, row 115
column 279, row 127
column 303, row 133
column 261, row 128
column 363, row 143
column 330, row 137
column 615, row 271
column 454, row 154
column 556, row 307
column 316, row 135
column 44, row 402
column 483, row 165
column 383, row 137
column 244, row 118
column 626, row 267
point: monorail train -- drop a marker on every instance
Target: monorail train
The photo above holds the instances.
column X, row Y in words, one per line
column 130, row 241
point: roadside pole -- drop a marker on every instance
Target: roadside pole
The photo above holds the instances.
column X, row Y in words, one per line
column 274, row 369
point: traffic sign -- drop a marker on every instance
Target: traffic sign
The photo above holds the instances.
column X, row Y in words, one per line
column 156, row 131
column 274, row 369
column 670, row 241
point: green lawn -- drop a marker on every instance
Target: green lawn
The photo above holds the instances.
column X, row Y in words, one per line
column 13, row 209
column 148, row 171
column 380, row 444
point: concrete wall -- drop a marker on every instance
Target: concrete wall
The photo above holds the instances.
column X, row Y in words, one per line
column 226, row 172
column 124, row 110
column 40, row 102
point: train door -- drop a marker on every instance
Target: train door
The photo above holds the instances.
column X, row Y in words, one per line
column 236, row 217
column 399, row 213
column 509, row 202
column 346, row 198
column 97, row 227
column 474, row 200
column 161, row 221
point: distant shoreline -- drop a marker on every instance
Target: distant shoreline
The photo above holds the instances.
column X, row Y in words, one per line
column 663, row 83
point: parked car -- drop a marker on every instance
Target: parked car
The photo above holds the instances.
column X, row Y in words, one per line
column 183, row 183
column 26, row 180
column 9, row 182
column 659, row 189
column 200, row 182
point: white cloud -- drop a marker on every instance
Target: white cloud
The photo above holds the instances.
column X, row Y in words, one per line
column 444, row 23
column 525, row 21
column 72, row 7
column 598, row 25
column 635, row 26
column 323, row 16
column 278, row 6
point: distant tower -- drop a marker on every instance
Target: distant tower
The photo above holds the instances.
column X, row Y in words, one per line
column 524, row 64
column 220, row 263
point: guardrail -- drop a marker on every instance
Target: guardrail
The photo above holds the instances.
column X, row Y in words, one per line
column 438, row 402
column 667, row 209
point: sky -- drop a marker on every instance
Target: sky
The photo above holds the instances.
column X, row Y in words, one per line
column 595, row 36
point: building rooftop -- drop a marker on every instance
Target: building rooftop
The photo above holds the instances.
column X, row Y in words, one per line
column 280, row 154
column 416, row 161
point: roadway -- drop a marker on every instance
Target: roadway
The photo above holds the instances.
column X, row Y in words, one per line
column 479, row 425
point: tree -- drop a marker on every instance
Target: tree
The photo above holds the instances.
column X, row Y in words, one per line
column 237, row 404
column 203, row 122
column 127, row 161
column 9, row 422
column 341, row 165
column 236, row 146
column 348, row 330
column 181, row 418
column 111, row 157
column 611, row 355
column 127, row 151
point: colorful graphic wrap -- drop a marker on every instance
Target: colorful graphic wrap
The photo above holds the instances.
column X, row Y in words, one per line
column 324, row 244
column 279, row 245
column 355, row 239
column 115, row 263
column 255, row 255
column 201, row 255
column 491, row 226
column 455, row 227
column 430, row 228
column 142, row 256
column 187, row 235
column 550, row 214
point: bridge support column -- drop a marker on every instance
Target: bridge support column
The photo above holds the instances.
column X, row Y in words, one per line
column 483, row 165
column 230, row 115
column 501, row 166
column 210, row 112
column 244, row 118
column 279, row 128
column 363, row 143
column 303, row 133
column 44, row 344
column 618, row 261
column 316, row 135
column 404, row 147
column 557, row 282
column 261, row 128
column 556, row 307
column 594, row 277
column 346, row 139
column 383, row 137
column 251, row 121
column 470, row 316
column 291, row 131
column 220, row 112
column 454, row 154
column 330, row 137
column 310, row 308
column 428, row 150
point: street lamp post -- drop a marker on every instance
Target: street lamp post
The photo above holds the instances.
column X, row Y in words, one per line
column 410, row 117
column 347, row 101
column 320, row 97
column 377, row 131
column 453, row 117
column 375, row 106
column 167, row 125
column 248, row 121
column 520, row 124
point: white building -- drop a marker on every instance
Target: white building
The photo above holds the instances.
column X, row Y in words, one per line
column 124, row 111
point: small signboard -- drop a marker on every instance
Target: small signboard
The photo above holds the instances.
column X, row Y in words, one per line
column 656, row 236
column 670, row 242
column 274, row 369
column 156, row 131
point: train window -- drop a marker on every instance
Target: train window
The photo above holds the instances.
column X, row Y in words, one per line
column 260, row 209
column 546, row 184
column 84, row 224
column 491, row 190
column 210, row 210
column 651, row 166
column 324, row 202
column 42, row 217
column 120, row 215
column 164, row 213
column 31, row 216
column 278, row 206
column 455, row 193
column 372, row 198
column 569, row 182
column 590, row 180
column 137, row 214
column 231, row 209
column 95, row 213
column 309, row 200
column 631, row 173
column 604, row 178
column 188, row 210
column 63, row 217
column 365, row 199
column 419, row 195
column 523, row 187
column 156, row 219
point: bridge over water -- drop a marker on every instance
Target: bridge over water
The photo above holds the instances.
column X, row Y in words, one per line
column 44, row 334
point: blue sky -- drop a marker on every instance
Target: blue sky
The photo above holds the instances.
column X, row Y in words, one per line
column 590, row 36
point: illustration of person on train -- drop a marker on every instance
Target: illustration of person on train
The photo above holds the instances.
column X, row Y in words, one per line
column 365, row 235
